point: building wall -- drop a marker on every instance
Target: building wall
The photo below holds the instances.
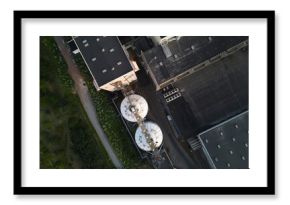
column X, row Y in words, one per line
column 118, row 82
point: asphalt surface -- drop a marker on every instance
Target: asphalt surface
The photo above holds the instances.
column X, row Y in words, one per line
column 179, row 157
column 86, row 99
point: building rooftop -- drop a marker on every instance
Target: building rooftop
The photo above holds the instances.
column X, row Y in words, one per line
column 218, row 91
column 72, row 45
column 104, row 57
column 226, row 144
column 142, row 44
column 182, row 53
column 211, row 95
column 184, row 118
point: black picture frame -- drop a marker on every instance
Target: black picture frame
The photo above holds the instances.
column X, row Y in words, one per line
column 268, row 190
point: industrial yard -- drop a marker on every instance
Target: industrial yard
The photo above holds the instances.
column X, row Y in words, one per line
column 144, row 102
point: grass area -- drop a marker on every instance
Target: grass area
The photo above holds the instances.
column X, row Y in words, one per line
column 67, row 139
column 112, row 124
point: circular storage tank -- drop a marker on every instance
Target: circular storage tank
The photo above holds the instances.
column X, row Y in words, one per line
column 155, row 134
column 134, row 103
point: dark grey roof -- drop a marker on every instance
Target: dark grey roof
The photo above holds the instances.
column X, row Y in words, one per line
column 142, row 43
column 104, row 56
column 218, row 91
column 72, row 46
column 186, row 122
column 187, row 52
column 226, row 145
column 211, row 95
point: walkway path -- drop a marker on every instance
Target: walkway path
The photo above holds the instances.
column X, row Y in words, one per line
column 86, row 99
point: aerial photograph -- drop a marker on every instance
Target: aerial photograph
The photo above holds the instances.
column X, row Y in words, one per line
column 144, row 102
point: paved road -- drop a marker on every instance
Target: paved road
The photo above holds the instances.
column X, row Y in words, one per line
column 86, row 100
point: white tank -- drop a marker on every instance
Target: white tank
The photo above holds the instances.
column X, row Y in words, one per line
column 134, row 103
column 155, row 134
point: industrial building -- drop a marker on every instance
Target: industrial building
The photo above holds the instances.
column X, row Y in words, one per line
column 174, row 58
column 107, row 61
column 226, row 144
column 202, row 83
column 206, row 95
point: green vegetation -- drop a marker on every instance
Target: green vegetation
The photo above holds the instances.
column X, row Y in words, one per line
column 67, row 139
column 112, row 124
